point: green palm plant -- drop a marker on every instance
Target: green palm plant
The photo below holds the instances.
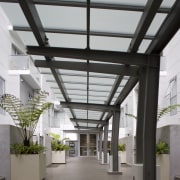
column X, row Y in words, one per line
column 161, row 111
column 25, row 116
column 162, row 148
column 57, row 144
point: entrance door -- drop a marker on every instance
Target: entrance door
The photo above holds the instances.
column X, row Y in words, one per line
column 87, row 144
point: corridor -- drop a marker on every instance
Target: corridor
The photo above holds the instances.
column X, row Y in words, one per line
column 85, row 168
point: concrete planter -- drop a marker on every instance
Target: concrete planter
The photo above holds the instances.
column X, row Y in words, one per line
column 137, row 171
column 122, row 155
column 163, row 161
column 58, row 156
column 28, row 167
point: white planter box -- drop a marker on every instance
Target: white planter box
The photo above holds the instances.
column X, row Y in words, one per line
column 137, row 172
column 58, row 156
column 28, row 167
column 164, row 162
column 122, row 155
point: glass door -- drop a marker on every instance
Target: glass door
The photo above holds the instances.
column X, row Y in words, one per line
column 87, row 144
column 92, row 144
column 83, row 145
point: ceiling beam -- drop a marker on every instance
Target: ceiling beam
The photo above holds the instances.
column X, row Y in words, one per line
column 126, row 90
column 32, row 16
column 82, row 32
column 91, row 67
column 34, row 21
column 88, row 121
column 167, row 30
column 144, row 23
column 111, row 6
column 84, row 83
column 86, row 127
column 96, row 55
column 85, row 106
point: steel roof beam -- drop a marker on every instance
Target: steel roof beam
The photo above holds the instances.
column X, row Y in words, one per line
column 32, row 16
column 111, row 6
column 126, row 90
column 167, row 30
column 144, row 23
column 96, row 55
column 85, row 106
column 82, row 32
column 88, row 121
column 86, row 127
column 91, row 67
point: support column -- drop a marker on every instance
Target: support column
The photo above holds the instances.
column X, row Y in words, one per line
column 100, row 146
column 105, row 143
column 115, row 141
column 151, row 102
column 140, row 117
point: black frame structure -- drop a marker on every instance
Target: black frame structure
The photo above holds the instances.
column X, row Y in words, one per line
column 139, row 67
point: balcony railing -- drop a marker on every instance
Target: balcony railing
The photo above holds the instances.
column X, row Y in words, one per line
column 22, row 64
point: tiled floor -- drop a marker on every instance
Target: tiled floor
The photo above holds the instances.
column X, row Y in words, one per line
column 85, row 168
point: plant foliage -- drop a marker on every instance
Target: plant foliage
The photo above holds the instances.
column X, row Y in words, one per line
column 121, row 147
column 21, row 149
column 57, row 144
column 162, row 148
column 25, row 116
column 161, row 111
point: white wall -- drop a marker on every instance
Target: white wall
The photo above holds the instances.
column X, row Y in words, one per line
column 5, row 51
column 172, row 55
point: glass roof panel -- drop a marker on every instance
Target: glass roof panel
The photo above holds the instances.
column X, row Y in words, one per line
column 107, row 88
column 114, row 21
column 96, row 101
column 109, row 43
column 82, row 124
column 97, row 98
column 62, row 17
column 15, row 14
column 92, row 125
column 95, row 93
column 144, row 46
column 72, row 72
column 81, row 86
column 129, row 2
column 102, row 75
column 79, row 100
column 27, row 38
column 156, row 23
column 77, row 92
column 66, row 40
column 167, row 3
column 101, row 80
column 74, row 79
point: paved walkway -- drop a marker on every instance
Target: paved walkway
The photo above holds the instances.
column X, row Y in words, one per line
column 85, row 168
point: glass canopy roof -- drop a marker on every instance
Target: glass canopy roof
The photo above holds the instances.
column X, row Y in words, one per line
column 80, row 73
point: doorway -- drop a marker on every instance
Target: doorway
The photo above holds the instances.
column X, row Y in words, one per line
column 87, row 144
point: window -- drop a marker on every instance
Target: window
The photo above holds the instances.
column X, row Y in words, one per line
column 173, row 94
column 2, row 90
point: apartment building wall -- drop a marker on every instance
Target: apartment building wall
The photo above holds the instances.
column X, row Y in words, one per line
column 172, row 56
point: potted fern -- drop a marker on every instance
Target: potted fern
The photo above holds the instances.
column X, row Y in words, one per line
column 27, row 159
column 162, row 158
column 58, row 149
column 122, row 152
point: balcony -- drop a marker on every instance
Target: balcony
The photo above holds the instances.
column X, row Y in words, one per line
column 23, row 65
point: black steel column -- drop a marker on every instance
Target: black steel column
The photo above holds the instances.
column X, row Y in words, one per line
column 100, row 145
column 151, row 102
column 115, row 140
column 105, row 142
column 140, row 116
